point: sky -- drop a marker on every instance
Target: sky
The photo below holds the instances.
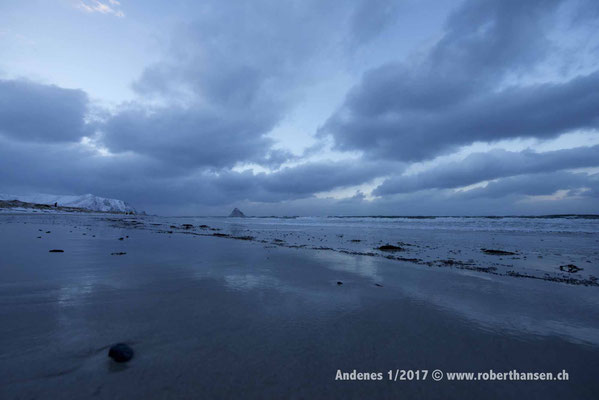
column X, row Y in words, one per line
column 353, row 107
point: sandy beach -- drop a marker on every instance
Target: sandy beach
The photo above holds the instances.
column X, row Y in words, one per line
column 212, row 317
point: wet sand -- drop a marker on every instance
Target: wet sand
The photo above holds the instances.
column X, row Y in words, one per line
column 210, row 317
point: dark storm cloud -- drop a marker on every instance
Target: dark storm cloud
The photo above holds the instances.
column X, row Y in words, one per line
column 43, row 113
column 478, row 167
column 317, row 177
column 454, row 97
column 297, row 182
column 542, row 184
column 156, row 186
column 192, row 138
column 305, row 180
column 71, row 168
column 511, row 197
column 506, row 196
column 147, row 182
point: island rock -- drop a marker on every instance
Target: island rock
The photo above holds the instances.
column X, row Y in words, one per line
column 236, row 213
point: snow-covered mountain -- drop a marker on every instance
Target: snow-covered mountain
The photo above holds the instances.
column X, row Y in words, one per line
column 87, row 201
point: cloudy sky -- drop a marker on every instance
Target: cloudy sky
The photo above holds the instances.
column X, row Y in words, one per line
column 311, row 107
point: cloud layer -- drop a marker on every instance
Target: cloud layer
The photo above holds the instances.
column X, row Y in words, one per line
column 197, row 137
column 43, row 113
column 494, row 164
column 458, row 93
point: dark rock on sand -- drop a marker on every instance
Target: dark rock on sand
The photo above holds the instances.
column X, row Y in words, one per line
column 236, row 213
column 121, row 238
column 339, row 283
column 378, row 284
column 120, row 352
column 244, row 237
column 570, row 268
column 187, row 226
column 120, row 253
column 498, row 252
column 448, row 262
column 56, row 251
column 390, row 247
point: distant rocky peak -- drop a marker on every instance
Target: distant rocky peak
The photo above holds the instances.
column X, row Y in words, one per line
column 236, row 213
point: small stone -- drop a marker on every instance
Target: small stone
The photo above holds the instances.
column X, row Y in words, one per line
column 120, row 352
column 56, row 251
column 498, row 252
column 339, row 283
column 121, row 238
column 390, row 247
column 570, row 268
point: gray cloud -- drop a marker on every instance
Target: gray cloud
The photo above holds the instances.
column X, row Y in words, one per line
column 191, row 137
column 153, row 184
column 511, row 197
column 219, row 90
column 478, row 167
column 45, row 113
column 229, row 77
column 290, row 183
column 454, row 97
column 542, row 184
column 235, row 73
column 160, row 187
column 370, row 17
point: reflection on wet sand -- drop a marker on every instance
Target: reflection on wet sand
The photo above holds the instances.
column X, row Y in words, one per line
column 209, row 317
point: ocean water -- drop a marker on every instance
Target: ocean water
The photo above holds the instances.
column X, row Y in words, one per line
column 570, row 223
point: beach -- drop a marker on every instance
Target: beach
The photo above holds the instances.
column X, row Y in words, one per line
column 274, row 308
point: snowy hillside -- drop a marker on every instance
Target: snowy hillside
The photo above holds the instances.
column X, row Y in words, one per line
column 87, row 201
